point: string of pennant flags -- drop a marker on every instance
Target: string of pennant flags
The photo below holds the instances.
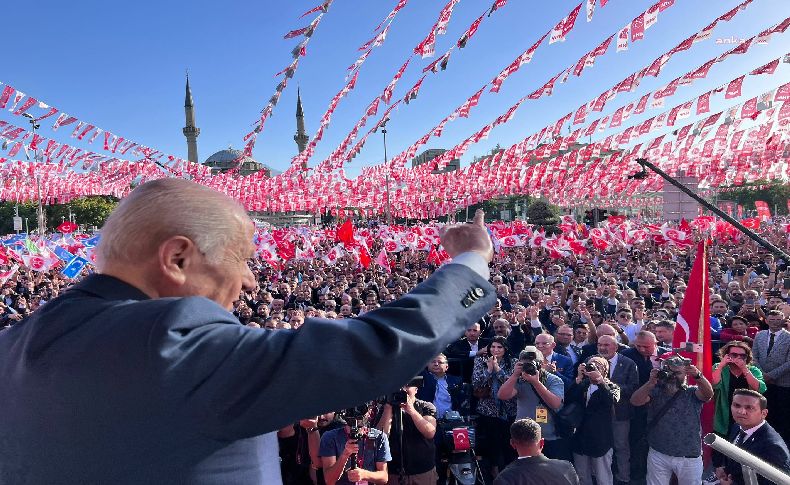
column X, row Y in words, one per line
column 731, row 147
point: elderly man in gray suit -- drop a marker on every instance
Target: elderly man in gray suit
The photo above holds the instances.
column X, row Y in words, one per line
column 771, row 351
column 624, row 373
column 140, row 374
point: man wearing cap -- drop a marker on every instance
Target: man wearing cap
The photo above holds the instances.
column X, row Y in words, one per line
column 674, row 429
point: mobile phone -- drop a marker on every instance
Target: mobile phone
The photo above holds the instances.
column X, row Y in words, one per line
column 786, row 284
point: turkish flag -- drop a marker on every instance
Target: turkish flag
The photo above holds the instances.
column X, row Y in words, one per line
column 67, row 227
column 753, row 223
column 345, row 233
column 461, row 439
column 694, row 323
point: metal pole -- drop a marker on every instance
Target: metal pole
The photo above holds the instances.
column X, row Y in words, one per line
column 387, row 174
column 746, row 459
column 751, row 235
column 40, row 209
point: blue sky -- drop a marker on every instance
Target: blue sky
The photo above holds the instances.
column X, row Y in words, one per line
column 121, row 66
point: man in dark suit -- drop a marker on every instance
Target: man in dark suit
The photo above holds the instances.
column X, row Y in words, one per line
column 753, row 434
column 592, row 349
column 532, row 467
column 444, row 391
column 140, row 374
column 623, row 372
column 555, row 363
column 771, row 349
column 464, row 351
column 643, row 353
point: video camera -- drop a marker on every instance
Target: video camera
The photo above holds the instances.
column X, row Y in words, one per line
column 665, row 373
column 400, row 396
column 455, row 434
column 356, row 418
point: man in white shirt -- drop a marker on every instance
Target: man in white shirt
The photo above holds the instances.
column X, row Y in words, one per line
column 754, row 435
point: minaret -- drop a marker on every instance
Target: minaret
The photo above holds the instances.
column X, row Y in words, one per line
column 300, row 137
column 190, row 130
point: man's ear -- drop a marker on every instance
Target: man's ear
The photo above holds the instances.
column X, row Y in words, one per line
column 176, row 254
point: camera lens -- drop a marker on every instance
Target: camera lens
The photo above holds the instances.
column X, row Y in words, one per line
column 529, row 367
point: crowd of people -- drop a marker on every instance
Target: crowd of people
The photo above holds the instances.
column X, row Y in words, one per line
column 573, row 362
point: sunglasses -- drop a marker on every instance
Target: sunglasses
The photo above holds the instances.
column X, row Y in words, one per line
column 737, row 355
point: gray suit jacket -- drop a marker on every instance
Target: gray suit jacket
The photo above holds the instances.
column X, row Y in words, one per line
column 104, row 385
column 777, row 364
column 626, row 375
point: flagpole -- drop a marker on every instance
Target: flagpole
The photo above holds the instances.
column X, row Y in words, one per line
column 751, row 235
column 701, row 324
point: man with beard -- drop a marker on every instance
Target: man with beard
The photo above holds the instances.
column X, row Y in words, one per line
column 674, row 429
column 299, row 445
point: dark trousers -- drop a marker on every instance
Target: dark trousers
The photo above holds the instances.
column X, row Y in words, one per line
column 493, row 444
column 559, row 449
column 778, row 406
column 638, row 440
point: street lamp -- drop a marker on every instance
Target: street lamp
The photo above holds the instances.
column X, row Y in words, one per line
column 383, row 126
column 40, row 210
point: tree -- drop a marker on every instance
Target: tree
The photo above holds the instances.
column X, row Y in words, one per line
column 7, row 210
column 775, row 194
column 87, row 211
column 542, row 214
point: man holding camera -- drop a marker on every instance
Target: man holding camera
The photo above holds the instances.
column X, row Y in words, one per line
column 674, row 429
column 355, row 453
column 539, row 396
column 410, row 424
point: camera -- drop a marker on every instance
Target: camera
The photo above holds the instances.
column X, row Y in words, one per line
column 396, row 398
column 400, row 396
column 530, row 367
column 590, row 367
column 355, row 418
column 448, row 427
column 665, row 373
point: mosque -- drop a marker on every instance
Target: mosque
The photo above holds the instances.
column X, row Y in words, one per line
column 224, row 160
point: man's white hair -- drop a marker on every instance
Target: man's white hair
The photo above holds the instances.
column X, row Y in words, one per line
column 158, row 210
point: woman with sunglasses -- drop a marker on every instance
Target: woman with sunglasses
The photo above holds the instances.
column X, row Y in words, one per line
column 733, row 372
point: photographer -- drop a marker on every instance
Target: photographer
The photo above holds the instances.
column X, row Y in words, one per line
column 593, row 440
column 674, row 430
column 534, row 390
column 355, row 453
column 410, row 426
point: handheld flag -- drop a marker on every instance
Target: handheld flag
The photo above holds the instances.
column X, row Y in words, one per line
column 74, row 267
